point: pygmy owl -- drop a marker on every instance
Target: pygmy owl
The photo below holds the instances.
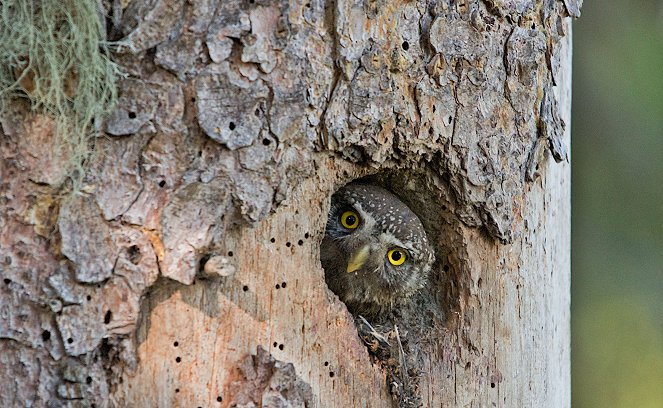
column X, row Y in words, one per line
column 375, row 251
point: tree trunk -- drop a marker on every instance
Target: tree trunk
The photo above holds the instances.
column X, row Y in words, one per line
column 186, row 269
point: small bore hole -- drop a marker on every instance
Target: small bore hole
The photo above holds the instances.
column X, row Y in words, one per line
column 300, row 242
column 278, row 286
column 230, row 253
column 405, row 45
column 331, row 374
column 175, row 344
column 245, row 288
column 492, row 385
column 231, row 126
column 162, row 183
column 281, row 346
column 88, row 297
column 275, row 344
column 108, row 316
column 288, row 244
column 177, row 390
column 178, row 359
column 283, row 285
column 132, row 115
column 133, row 253
column 266, row 142
column 272, row 240
column 326, row 363
column 45, row 335
column 219, row 399
column 70, row 340
column 7, row 281
column 306, row 235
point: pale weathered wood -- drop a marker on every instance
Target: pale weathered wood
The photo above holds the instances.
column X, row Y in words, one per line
column 194, row 239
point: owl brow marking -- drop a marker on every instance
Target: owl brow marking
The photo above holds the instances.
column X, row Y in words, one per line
column 398, row 242
column 367, row 220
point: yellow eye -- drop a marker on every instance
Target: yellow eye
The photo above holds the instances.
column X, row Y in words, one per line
column 350, row 220
column 396, row 256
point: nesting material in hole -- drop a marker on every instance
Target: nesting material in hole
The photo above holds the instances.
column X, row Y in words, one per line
column 386, row 224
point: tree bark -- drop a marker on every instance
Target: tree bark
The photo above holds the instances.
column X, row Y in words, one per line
column 186, row 270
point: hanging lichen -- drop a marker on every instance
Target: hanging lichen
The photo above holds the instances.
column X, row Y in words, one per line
column 54, row 53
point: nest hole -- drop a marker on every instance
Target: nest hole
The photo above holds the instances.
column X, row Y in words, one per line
column 437, row 303
column 424, row 320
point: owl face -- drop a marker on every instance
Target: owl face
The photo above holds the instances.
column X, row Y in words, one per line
column 375, row 251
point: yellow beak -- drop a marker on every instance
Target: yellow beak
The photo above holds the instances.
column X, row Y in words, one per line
column 358, row 258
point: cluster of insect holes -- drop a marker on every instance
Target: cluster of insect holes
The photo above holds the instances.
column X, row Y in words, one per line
column 288, row 244
column 46, row 334
column 283, row 285
column 178, row 360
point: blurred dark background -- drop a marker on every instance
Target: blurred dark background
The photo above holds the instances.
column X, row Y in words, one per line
column 617, row 162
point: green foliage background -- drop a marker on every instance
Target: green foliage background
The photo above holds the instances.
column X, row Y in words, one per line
column 617, row 278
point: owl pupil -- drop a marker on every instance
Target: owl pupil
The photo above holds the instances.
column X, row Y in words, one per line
column 350, row 220
column 396, row 256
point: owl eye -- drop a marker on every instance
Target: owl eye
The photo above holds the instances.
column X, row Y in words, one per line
column 350, row 219
column 396, row 257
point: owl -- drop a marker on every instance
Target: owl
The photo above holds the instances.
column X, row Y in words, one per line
column 375, row 251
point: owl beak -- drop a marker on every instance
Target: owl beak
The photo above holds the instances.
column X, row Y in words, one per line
column 358, row 258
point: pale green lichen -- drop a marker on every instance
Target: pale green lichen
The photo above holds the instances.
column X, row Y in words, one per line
column 54, row 53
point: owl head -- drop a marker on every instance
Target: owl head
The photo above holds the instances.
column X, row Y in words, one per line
column 375, row 251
